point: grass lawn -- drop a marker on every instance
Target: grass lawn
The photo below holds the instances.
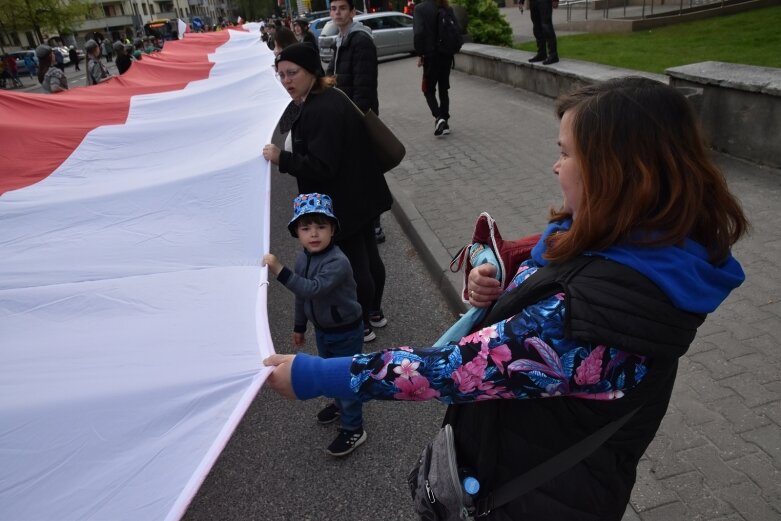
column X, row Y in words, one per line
column 753, row 38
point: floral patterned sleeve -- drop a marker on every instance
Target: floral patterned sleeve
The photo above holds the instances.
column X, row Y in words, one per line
column 525, row 356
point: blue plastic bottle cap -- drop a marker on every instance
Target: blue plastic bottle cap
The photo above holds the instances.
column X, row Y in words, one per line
column 471, row 485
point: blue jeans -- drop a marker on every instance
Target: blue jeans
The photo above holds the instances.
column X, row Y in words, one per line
column 333, row 345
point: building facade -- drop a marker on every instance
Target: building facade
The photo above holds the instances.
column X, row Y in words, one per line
column 119, row 20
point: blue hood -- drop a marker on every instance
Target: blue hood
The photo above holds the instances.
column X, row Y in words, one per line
column 684, row 274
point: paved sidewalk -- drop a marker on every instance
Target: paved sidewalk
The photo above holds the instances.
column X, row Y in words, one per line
column 718, row 453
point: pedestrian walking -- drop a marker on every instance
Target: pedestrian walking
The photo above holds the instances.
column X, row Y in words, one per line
column 542, row 27
column 330, row 153
column 325, row 290
column 587, row 334
column 435, row 54
column 74, row 56
column 52, row 78
column 304, row 34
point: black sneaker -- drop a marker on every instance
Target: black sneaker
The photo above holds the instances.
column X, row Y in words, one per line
column 329, row 414
column 439, row 127
column 377, row 319
column 446, row 130
column 368, row 335
column 346, row 442
column 538, row 57
column 553, row 58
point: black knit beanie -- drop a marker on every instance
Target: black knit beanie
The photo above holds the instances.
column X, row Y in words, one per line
column 304, row 55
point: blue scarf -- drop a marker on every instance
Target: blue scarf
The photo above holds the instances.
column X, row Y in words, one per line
column 684, row 273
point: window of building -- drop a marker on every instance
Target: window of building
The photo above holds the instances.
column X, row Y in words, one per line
column 145, row 9
column 122, row 9
column 152, row 8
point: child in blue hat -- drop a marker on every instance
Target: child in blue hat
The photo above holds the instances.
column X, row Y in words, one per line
column 325, row 291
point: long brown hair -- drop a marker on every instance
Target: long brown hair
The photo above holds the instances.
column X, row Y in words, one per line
column 647, row 175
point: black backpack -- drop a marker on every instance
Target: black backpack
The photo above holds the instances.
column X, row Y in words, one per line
column 449, row 39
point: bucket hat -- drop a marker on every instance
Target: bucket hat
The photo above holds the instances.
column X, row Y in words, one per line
column 308, row 204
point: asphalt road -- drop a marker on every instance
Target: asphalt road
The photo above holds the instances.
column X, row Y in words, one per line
column 275, row 467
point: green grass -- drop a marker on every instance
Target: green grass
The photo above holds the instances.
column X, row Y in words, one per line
column 753, row 38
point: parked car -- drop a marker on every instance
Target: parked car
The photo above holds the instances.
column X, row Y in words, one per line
column 391, row 30
column 317, row 26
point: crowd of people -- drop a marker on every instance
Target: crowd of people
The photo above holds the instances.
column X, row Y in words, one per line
column 585, row 329
column 593, row 318
column 47, row 62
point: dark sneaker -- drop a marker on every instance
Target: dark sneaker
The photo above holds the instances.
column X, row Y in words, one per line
column 377, row 319
column 439, row 127
column 368, row 335
column 329, row 414
column 446, row 130
column 553, row 58
column 538, row 57
column 346, row 442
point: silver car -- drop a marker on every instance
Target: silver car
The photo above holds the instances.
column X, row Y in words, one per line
column 392, row 33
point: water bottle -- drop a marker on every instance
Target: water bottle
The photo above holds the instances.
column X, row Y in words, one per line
column 469, row 482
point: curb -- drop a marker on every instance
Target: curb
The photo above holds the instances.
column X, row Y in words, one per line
column 432, row 252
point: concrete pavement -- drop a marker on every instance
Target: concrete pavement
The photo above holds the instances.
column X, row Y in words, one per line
column 718, row 453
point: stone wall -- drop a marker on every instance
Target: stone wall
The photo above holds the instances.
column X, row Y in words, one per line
column 739, row 105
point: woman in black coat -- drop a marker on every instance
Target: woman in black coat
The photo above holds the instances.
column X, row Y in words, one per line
column 330, row 153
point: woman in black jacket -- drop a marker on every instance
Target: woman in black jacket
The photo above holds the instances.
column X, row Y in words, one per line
column 331, row 154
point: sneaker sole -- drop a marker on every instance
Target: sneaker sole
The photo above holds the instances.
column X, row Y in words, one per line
column 370, row 337
column 446, row 132
column 328, row 422
column 380, row 323
column 358, row 443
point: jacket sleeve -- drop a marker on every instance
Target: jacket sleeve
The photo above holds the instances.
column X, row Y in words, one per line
column 418, row 32
column 330, row 274
column 364, row 62
column 320, row 135
column 523, row 357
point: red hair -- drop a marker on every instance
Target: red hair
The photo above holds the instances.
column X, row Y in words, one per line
column 647, row 175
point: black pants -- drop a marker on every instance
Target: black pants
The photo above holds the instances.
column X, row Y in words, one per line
column 542, row 25
column 368, row 269
column 436, row 72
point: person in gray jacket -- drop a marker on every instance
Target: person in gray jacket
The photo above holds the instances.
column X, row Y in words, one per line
column 326, row 296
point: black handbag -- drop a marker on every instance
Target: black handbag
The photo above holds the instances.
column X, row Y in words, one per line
column 388, row 150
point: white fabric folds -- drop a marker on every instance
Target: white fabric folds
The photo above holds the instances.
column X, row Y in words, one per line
column 132, row 301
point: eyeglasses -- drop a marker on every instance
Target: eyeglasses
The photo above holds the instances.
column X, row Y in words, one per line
column 290, row 73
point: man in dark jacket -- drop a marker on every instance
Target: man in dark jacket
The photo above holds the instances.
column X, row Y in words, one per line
column 436, row 64
column 354, row 63
column 354, row 59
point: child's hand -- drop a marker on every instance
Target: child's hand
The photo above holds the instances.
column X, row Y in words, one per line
column 273, row 263
column 299, row 339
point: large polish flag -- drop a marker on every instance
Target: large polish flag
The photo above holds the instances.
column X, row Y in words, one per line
column 133, row 220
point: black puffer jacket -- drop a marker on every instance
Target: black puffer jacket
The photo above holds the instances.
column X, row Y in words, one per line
column 610, row 303
column 355, row 65
column 332, row 155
